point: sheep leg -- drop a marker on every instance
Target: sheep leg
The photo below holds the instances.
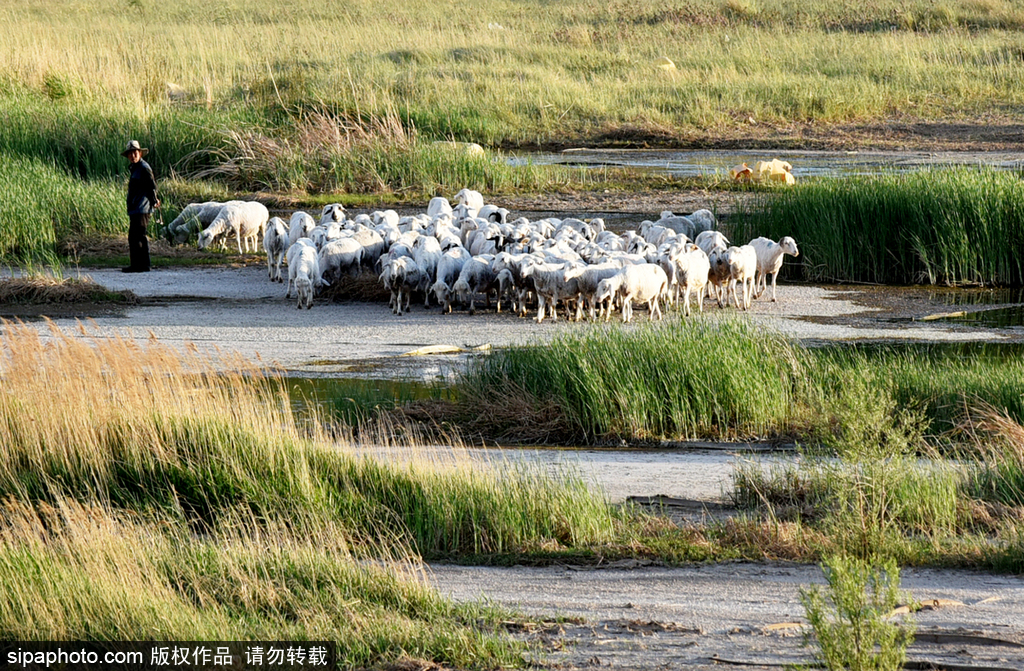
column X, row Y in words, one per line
column 774, row 277
column 686, row 301
column 540, row 308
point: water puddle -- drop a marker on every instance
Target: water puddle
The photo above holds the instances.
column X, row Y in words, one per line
column 1008, row 317
column 697, row 163
column 353, row 399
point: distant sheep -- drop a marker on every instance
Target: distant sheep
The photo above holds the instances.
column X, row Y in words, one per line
column 193, row 219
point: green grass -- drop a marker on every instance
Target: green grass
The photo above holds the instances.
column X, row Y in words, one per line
column 950, row 226
column 42, row 206
column 713, row 379
column 75, row 84
column 691, row 379
column 81, row 572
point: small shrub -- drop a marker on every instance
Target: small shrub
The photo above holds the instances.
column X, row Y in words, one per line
column 851, row 622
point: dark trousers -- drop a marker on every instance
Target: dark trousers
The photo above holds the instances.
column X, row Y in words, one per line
column 138, row 243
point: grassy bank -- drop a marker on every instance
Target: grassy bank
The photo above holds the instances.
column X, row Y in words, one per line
column 961, row 226
column 533, row 72
column 75, row 83
column 83, row 572
column 198, row 498
column 714, row 379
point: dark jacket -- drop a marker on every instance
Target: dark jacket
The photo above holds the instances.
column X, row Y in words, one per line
column 141, row 188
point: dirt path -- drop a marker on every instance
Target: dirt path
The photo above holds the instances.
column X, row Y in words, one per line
column 660, row 618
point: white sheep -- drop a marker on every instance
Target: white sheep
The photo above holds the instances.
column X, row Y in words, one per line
column 476, row 277
column 333, row 213
column 741, row 265
column 338, row 257
column 448, row 270
column 679, row 224
column 386, row 217
column 605, row 294
column 691, row 271
column 493, row 213
column 373, row 244
column 193, row 219
column 438, row 206
column 703, row 220
column 708, row 240
column 427, row 253
column 299, row 226
column 473, row 200
column 275, row 244
column 246, row 220
column 769, row 261
column 550, row 285
column 303, row 273
column 402, row 276
column 645, row 283
column 587, row 280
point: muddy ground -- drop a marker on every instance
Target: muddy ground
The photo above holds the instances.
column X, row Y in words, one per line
column 628, row 616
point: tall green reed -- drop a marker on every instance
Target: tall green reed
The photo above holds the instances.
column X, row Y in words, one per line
column 942, row 226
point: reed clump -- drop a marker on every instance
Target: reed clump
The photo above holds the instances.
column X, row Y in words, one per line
column 943, row 226
column 688, row 379
column 78, row 571
column 43, row 206
column 714, row 379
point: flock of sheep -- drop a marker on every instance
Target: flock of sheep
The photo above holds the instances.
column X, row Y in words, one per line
column 456, row 254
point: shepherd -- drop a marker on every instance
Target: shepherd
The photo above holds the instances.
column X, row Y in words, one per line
column 141, row 201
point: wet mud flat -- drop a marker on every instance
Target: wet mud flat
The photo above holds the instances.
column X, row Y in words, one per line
column 739, row 615
column 238, row 310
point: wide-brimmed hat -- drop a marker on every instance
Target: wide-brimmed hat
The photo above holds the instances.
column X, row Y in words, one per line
column 132, row 146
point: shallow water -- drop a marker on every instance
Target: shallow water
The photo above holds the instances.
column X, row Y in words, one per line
column 697, row 163
column 1007, row 317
